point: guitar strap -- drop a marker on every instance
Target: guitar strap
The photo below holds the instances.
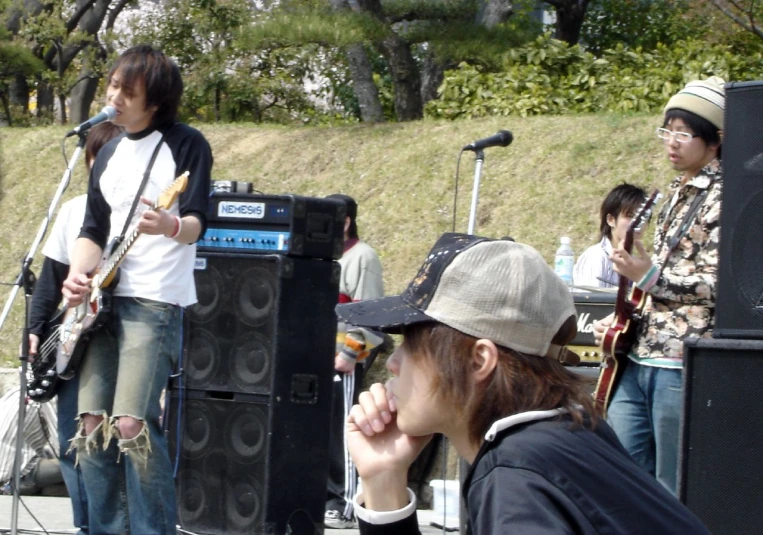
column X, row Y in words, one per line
column 684, row 227
column 140, row 190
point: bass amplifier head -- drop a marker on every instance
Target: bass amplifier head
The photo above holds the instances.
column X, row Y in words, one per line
column 284, row 224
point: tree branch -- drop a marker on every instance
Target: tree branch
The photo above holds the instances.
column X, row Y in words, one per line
column 114, row 13
column 750, row 27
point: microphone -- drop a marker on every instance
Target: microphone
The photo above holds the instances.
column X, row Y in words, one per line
column 108, row 113
column 502, row 139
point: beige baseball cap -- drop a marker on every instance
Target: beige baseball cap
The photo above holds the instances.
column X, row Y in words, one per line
column 496, row 289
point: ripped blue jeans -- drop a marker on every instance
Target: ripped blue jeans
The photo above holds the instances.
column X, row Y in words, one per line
column 129, row 481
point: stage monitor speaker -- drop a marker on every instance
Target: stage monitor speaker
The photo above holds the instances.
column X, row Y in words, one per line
column 259, row 320
column 249, row 464
column 739, row 306
column 720, row 461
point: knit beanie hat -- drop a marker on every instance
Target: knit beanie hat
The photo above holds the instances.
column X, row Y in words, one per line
column 705, row 98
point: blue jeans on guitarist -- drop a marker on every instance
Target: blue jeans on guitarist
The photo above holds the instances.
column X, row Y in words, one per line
column 645, row 413
column 72, row 474
column 126, row 365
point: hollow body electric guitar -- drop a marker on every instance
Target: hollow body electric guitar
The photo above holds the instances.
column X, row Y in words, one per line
column 80, row 322
column 621, row 334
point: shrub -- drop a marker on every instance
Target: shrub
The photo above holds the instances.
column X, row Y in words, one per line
column 549, row 76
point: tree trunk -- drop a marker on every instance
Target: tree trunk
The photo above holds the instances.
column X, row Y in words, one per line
column 402, row 67
column 18, row 92
column 362, row 76
column 569, row 19
column 45, row 101
column 432, row 75
column 8, row 120
column 405, row 76
column 494, row 12
column 363, row 85
column 81, row 98
column 216, row 103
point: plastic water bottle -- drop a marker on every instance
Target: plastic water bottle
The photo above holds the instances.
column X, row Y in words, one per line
column 564, row 261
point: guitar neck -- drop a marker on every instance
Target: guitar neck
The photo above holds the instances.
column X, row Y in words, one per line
column 109, row 269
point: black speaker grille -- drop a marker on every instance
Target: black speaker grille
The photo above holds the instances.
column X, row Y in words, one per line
column 231, row 328
column 739, row 307
column 249, row 429
column 721, row 470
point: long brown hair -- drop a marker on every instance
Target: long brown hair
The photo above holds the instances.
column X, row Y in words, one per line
column 519, row 383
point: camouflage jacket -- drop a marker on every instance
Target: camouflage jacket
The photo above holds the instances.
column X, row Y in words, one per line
column 682, row 301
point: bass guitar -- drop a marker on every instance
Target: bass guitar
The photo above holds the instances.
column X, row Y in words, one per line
column 42, row 379
column 80, row 322
column 621, row 334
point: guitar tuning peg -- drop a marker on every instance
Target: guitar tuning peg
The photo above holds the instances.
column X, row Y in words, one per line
column 38, row 392
column 45, row 383
column 50, row 373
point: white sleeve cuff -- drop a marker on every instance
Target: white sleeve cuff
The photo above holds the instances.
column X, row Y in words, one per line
column 384, row 517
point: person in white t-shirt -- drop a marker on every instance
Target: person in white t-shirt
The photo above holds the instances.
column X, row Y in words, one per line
column 46, row 299
column 594, row 266
column 120, row 444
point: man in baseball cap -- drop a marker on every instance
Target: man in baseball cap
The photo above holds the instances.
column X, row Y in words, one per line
column 484, row 325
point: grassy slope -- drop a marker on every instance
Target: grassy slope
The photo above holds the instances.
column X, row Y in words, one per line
column 548, row 183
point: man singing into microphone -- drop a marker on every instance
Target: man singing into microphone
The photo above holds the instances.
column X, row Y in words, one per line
column 119, row 443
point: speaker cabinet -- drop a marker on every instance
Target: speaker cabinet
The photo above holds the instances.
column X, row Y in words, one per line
column 259, row 318
column 720, row 461
column 739, row 307
column 250, row 414
column 250, row 464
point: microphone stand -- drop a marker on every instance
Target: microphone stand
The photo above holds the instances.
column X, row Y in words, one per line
column 26, row 280
column 479, row 158
column 43, row 227
column 463, row 466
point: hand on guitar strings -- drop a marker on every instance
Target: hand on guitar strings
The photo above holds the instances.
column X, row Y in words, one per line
column 634, row 267
column 157, row 222
column 600, row 327
column 76, row 288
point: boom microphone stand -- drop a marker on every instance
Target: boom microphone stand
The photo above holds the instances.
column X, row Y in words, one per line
column 26, row 280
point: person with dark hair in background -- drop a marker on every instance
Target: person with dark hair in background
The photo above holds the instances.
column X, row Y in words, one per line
column 119, row 443
column 679, row 281
column 46, row 299
column 594, row 266
column 361, row 279
column 484, row 324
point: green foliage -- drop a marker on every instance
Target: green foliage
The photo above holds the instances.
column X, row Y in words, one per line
column 551, row 77
column 637, row 23
column 229, row 75
column 15, row 59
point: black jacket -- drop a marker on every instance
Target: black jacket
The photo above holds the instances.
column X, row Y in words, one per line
column 551, row 476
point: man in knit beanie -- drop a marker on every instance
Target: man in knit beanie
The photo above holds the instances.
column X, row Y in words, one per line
column 679, row 281
column 361, row 279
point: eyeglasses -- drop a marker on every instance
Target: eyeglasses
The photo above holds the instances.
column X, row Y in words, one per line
column 666, row 135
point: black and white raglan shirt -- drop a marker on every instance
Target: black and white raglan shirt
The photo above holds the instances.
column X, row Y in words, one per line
column 155, row 267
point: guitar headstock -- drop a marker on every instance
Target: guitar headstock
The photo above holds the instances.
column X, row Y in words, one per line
column 170, row 195
column 643, row 214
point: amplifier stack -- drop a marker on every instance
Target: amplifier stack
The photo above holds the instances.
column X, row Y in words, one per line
column 254, row 394
column 721, row 436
